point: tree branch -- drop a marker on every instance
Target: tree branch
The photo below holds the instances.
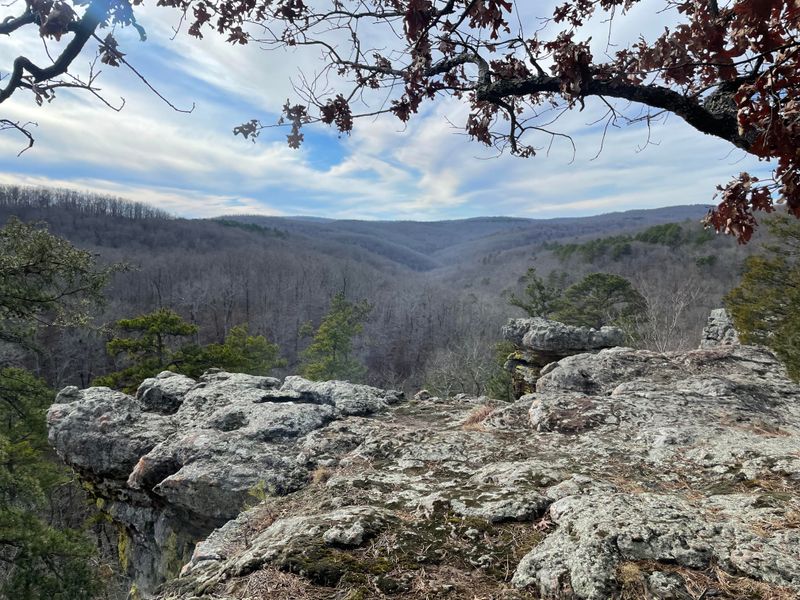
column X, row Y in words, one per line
column 720, row 125
column 95, row 13
column 20, row 127
column 11, row 24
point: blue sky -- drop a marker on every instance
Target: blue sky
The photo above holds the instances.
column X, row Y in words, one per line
column 192, row 165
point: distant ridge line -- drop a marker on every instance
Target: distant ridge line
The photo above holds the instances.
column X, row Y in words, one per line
column 483, row 218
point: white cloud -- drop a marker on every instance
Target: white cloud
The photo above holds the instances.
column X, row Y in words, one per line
column 194, row 165
column 176, row 201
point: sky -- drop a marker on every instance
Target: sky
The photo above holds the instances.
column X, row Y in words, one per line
column 191, row 164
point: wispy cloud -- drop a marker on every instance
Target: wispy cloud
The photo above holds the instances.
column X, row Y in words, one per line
column 176, row 201
column 191, row 164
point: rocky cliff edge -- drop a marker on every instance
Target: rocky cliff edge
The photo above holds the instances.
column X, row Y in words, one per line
column 627, row 474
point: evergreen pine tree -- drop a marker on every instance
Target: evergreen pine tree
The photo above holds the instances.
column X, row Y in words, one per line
column 43, row 280
column 330, row 355
column 765, row 306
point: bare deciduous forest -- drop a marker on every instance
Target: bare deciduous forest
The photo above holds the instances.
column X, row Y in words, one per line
column 438, row 290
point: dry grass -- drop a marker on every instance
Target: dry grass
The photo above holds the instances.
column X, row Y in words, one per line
column 699, row 585
column 269, row 583
column 430, row 568
column 757, row 426
column 773, row 483
column 419, row 560
column 476, row 417
column 641, row 478
column 447, row 582
column 631, row 581
column 263, row 517
column 789, row 520
column 320, row 475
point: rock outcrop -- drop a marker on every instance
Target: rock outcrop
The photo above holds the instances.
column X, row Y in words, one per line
column 183, row 457
column 539, row 342
column 719, row 330
column 626, row 474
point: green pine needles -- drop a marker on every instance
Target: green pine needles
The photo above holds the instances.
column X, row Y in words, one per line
column 598, row 299
column 331, row 354
column 765, row 306
column 44, row 281
column 160, row 341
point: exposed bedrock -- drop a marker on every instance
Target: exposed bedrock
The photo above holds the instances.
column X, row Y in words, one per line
column 539, row 342
column 183, row 457
column 625, row 474
column 719, row 331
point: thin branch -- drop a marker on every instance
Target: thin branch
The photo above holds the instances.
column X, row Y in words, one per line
column 11, row 24
column 144, row 80
column 83, row 30
column 6, row 124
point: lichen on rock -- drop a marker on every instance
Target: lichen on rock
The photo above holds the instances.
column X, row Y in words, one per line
column 719, row 331
column 540, row 343
column 180, row 457
column 624, row 474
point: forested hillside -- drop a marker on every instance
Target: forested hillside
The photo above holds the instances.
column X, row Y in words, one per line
column 104, row 292
column 438, row 291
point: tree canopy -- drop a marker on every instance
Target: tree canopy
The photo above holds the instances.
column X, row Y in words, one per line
column 766, row 304
column 729, row 70
column 240, row 353
column 156, row 342
column 44, row 280
column 540, row 298
column 596, row 300
column 147, row 344
column 330, row 354
column 599, row 299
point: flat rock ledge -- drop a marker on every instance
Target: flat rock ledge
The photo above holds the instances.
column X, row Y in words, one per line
column 625, row 474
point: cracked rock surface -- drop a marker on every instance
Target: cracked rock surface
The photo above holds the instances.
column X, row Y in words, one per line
column 539, row 343
column 719, row 330
column 183, row 457
column 626, row 474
